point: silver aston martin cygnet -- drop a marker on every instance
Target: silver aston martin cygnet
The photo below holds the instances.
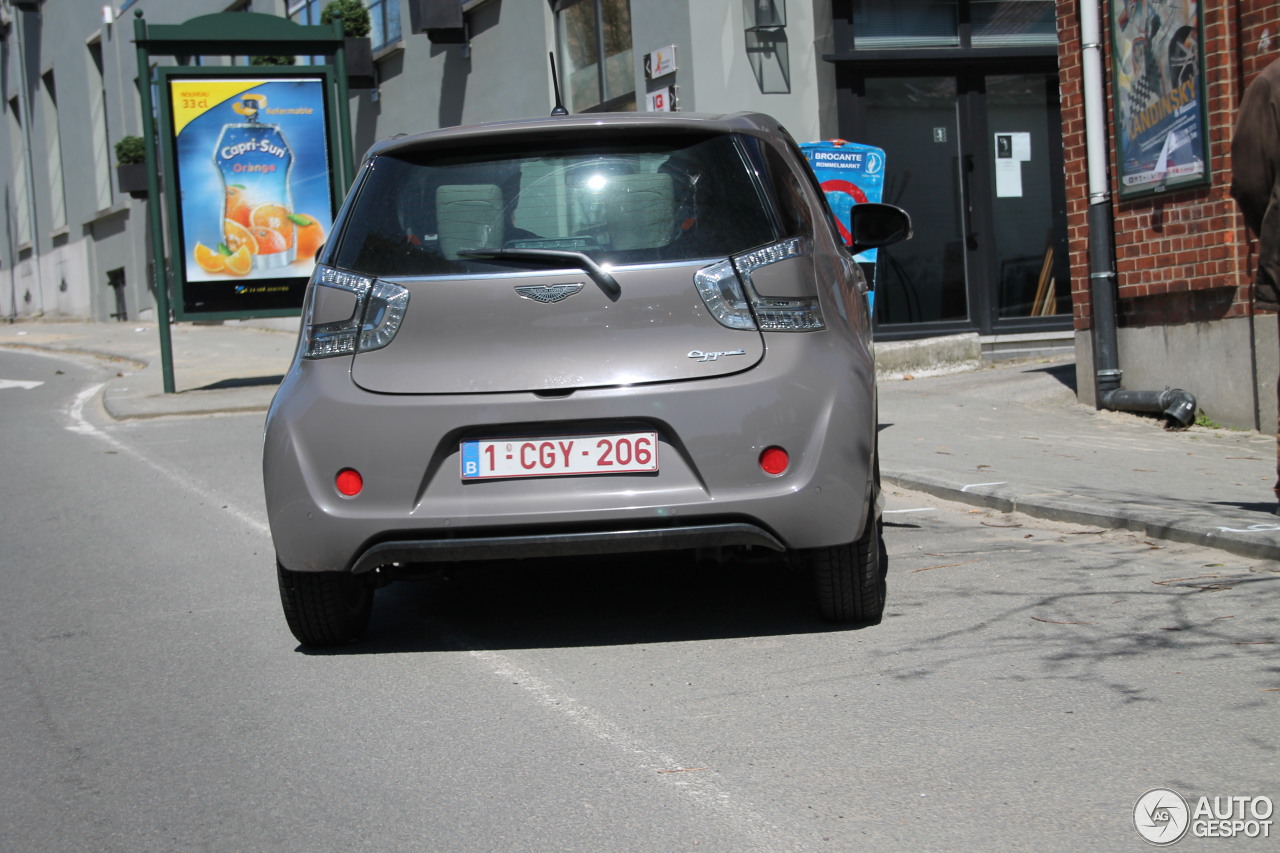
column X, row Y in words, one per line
column 580, row 335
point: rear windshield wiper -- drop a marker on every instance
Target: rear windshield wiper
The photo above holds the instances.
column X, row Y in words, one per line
column 555, row 258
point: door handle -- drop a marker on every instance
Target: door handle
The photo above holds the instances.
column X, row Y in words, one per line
column 966, row 201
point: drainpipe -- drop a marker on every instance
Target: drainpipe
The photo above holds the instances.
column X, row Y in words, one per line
column 1177, row 406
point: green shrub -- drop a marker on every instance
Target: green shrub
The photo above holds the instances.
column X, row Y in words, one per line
column 272, row 60
column 131, row 149
column 352, row 13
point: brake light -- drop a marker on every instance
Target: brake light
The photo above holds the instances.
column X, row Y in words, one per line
column 379, row 311
column 729, row 294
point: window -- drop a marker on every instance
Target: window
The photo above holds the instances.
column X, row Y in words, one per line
column 53, row 139
column 1013, row 23
column 384, row 15
column 21, row 190
column 595, row 54
column 904, row 24
column 618, row 201
column 306, row 11
column 384, row 22
column 881, row 24
column 100, row 137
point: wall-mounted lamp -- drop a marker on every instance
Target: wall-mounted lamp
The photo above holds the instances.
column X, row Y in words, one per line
column 766, row 14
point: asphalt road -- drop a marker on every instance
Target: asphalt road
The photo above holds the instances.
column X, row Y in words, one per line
column 1029, row 683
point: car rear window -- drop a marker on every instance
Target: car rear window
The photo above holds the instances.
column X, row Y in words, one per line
column 652, row 201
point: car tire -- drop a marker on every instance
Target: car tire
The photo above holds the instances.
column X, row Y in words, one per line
column 850, row 579
column 325, row 608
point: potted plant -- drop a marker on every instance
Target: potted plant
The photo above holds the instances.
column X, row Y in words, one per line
column 273, row 60
column 131, row 166
column 355, row 28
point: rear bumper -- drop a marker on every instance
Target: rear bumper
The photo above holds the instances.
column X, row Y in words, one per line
column 814, row 395
column 539, row 545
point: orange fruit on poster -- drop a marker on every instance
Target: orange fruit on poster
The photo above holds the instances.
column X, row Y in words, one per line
column 238, row 235
column 275, row 217
column 238, row 206
column 310, row 235
column 210, row 260
column 240, row 261
column 268, row 240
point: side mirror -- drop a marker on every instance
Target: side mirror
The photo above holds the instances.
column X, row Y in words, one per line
column 872, row 225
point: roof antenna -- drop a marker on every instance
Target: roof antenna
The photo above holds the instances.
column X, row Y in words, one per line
column 558, row 109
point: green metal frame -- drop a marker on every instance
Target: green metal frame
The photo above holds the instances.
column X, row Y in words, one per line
column 229, row 34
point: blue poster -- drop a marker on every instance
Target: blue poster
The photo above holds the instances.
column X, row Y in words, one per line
column 849, row 174
column 253, row 182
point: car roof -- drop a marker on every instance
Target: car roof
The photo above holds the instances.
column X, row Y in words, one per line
column 582, row 124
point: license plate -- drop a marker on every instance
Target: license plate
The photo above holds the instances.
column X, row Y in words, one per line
column 623, row 453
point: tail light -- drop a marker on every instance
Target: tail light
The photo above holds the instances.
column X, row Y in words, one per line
column 378, row 313
column 731, row 297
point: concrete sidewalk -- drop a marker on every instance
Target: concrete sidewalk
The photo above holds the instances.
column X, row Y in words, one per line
column 1010, row 437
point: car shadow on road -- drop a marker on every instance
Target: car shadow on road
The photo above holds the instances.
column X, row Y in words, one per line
column 596, row 601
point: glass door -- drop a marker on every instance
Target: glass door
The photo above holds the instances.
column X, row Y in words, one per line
column 1026, row 198
column 976, row 159
column 916, row 121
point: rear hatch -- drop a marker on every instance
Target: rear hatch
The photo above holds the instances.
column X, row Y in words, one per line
column 553, row 265
column 505, row 333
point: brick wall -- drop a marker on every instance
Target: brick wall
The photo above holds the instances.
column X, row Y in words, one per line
column 1181, row 256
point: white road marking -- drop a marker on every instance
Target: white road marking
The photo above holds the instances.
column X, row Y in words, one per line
column 1253, row 528
column 24, row 384
column 701, row 787
column 80, row 425
column 976, row 485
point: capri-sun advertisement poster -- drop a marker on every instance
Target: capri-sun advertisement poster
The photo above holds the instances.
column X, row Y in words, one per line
column 1159, row 95
column 254, row 189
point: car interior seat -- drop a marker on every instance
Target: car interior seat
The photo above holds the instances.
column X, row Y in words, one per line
column 469, row 216
column 639, row 211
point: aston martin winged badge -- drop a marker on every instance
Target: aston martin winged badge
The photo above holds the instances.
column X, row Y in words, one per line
column 549, row 292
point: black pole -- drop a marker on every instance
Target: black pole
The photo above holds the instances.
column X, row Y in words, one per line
column 1102, row 287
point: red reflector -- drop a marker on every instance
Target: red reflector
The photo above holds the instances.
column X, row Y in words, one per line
column 774, row 460
column 349, row 482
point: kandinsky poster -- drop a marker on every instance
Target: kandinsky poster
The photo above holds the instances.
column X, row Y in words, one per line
column 1158, row 71
column 252, row 169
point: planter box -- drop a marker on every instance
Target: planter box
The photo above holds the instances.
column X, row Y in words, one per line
column 359, row 63
column 132, row 179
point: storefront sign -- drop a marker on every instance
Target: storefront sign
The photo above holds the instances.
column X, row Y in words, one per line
column 1160, row 104
column 661, row 100
column 660, row 63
